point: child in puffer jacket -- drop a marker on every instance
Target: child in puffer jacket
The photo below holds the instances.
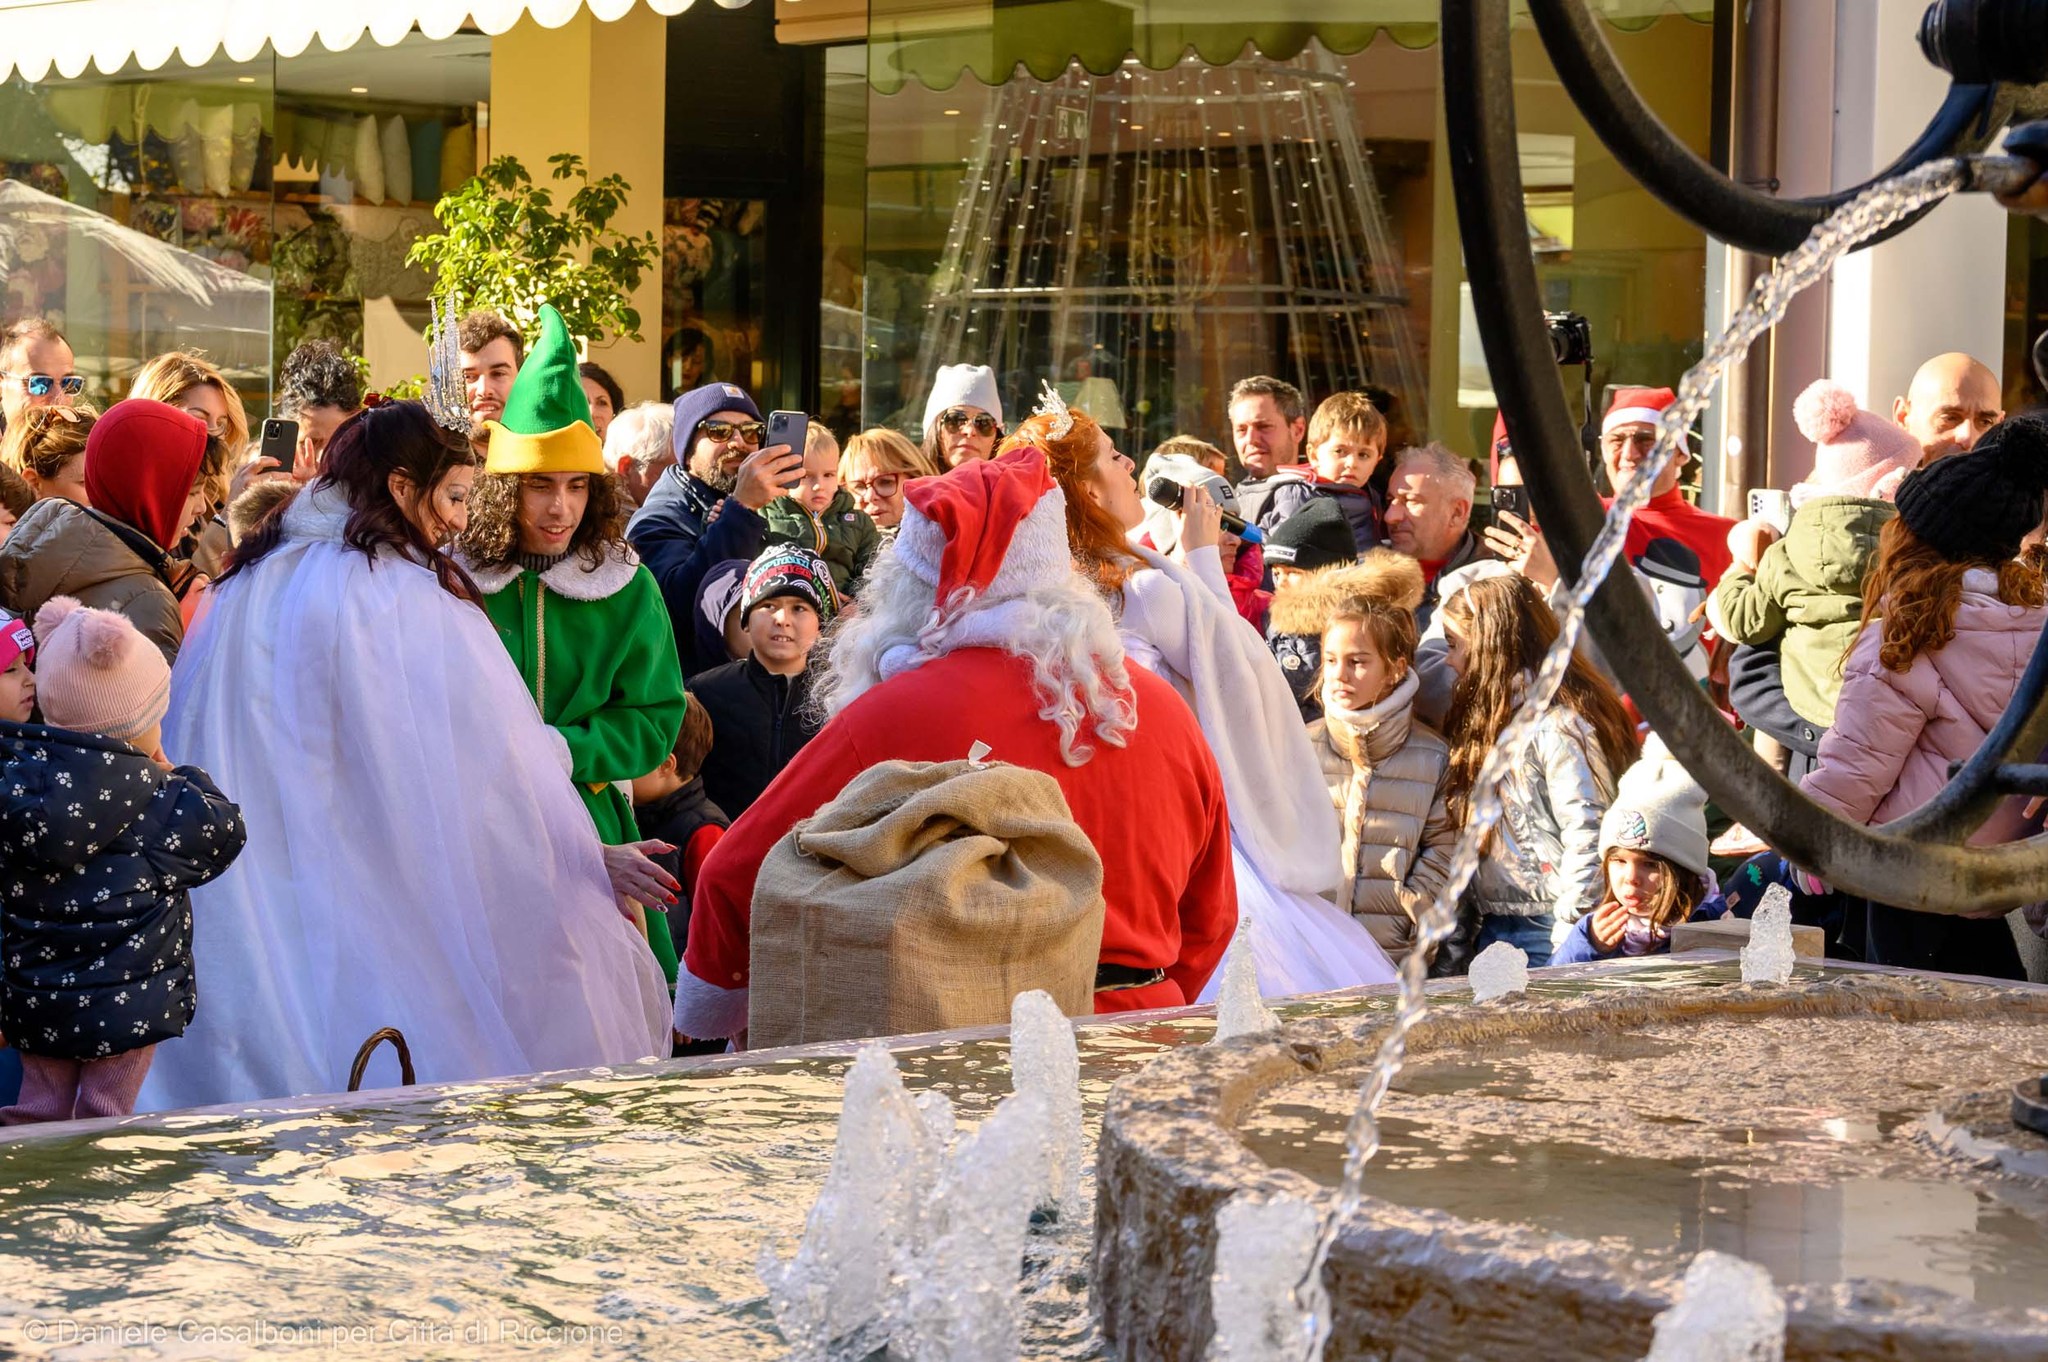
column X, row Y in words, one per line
column 1302, row 607
column 1385, row 769
column 1541, row 873
column 821, row 515
column 1653, row 860
column 1805, row 593
column 1954, row 616
column 104, row 839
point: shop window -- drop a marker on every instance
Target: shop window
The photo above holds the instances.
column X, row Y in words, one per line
column 714, row 261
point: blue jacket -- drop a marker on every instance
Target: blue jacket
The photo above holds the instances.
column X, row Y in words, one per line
column 681, row 533
column 95, row 921
column 1578, row 948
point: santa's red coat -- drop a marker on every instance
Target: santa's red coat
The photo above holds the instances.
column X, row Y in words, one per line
column 1153, row 809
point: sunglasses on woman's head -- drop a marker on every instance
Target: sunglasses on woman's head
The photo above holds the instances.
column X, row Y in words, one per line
column 958, row 419
column 882, row 485
column 41, row 385
column 724, row 432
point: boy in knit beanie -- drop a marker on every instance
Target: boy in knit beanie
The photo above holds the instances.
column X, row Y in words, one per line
column 1653, row 861
column 105, row 839
column 1805, row 592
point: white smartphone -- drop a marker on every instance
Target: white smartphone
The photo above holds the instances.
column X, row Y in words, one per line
column 1772, row 507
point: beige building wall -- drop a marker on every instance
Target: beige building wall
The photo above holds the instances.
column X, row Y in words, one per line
column 599, row 90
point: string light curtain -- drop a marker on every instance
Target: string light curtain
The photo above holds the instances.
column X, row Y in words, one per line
column 1147, row 237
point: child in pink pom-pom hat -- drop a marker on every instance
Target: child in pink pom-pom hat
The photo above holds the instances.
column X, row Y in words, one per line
column 1805, row 592
column 104, row 838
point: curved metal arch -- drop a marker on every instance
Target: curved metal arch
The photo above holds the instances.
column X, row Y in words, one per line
column 1899, row 864
column 1695, row 190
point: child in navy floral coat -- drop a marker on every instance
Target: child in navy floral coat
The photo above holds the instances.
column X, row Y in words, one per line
column 104, row 839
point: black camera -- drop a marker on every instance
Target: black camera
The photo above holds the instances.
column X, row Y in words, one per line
column 1571, row 337
column 1983, row 41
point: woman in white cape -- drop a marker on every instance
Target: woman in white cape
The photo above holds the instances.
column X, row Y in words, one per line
column 417, row 856
column 1177, row 619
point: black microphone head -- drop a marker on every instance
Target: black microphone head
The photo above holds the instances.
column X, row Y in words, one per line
column 1164, row 492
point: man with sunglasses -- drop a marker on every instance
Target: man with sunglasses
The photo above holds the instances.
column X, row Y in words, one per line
column 37, row 369
column 1627, row 434
column 707, row 507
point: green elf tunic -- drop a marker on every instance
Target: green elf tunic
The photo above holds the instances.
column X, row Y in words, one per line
column 599, row 654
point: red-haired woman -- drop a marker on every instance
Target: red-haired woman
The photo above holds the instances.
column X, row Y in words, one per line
column 1178, row 620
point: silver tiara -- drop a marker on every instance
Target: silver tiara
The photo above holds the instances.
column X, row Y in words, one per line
column 1050, row 403
column 446, row 398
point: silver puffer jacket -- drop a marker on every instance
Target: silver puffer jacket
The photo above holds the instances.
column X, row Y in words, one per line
column 1545, row 853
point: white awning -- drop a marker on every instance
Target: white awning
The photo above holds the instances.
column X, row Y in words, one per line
column 42, row 38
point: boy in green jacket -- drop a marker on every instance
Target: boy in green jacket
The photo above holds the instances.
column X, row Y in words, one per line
column 582, row 619
column 821, row 515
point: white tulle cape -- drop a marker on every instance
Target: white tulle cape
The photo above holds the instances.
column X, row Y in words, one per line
column 417, row 856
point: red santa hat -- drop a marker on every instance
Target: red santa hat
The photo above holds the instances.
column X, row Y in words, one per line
column 1637, row 406
column 994, row 527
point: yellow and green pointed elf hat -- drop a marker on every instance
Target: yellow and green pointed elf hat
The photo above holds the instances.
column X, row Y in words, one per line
column 546, row 424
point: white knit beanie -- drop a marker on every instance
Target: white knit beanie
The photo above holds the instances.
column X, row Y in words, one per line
column 96, row 673
column 963, row 385
column 1658, row 807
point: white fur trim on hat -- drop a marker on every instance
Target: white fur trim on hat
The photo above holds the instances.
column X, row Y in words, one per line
column 1038, row 554
column 1630, row 416
column 963, row 385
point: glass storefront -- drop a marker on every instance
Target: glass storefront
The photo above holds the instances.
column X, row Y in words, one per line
column 235, row 209
column 1146, row 236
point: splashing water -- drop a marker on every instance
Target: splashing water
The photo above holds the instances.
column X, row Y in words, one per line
column 1239, row 1009
column 1767, row 959
column 1261, row 1308
column 1848, row 226
column 1730, row 1312
column 1499, row 970
column 1044, row 1060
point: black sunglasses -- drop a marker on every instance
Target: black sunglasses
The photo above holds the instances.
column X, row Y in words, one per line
column 39, row 385
column 957, row 419
column 724, row 432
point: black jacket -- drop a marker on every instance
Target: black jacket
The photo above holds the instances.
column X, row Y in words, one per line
column 675, row 818
column 98, row 846
column 685, row 528
column 758, row 722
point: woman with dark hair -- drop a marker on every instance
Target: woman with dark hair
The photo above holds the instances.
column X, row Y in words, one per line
column 1177, row 619
column 583, row 620
column 416, row 858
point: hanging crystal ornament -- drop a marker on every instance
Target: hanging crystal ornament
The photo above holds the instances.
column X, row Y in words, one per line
column 446, row 397
column 1148, row 237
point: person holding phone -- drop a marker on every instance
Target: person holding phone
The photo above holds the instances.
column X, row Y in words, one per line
column 708, row 507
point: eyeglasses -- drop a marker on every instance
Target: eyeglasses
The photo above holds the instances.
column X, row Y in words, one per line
column 884, row 485
column 957, row 419
column 725, row 432
column 1641, row 439
column 40, row 385
column 215, row 425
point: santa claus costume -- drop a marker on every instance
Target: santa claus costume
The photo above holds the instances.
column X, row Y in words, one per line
column 976, row 628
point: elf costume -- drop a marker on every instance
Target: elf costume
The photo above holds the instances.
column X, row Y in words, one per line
column 593, row 643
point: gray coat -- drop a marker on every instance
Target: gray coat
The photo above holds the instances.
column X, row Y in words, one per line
column 1385, row 770
column 1544, row 856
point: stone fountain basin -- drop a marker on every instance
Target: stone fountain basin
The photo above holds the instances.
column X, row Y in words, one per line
column 1551, row 1166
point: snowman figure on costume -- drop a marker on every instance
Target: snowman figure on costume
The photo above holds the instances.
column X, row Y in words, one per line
column 581, row 617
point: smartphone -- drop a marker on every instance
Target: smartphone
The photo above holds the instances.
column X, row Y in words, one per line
column 1511, row 500
column 280, row 441
column 1772, row 507
column 790, row 428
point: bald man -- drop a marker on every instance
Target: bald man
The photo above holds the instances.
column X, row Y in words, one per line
column 1954, row 399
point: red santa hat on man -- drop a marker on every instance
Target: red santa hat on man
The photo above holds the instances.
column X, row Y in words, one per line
column 1636, row 406
column 993, row 529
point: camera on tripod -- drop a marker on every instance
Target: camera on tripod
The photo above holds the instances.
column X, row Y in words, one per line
column 1571, row 337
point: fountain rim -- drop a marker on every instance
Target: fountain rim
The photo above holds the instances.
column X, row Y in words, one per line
column 1177, row 1118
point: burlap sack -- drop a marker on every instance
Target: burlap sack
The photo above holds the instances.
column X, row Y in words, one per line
column 926, row 896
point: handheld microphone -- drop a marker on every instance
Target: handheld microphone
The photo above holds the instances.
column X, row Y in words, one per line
column 1168, row 493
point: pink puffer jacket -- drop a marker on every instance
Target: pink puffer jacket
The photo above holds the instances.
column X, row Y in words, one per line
column 1895, row 733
